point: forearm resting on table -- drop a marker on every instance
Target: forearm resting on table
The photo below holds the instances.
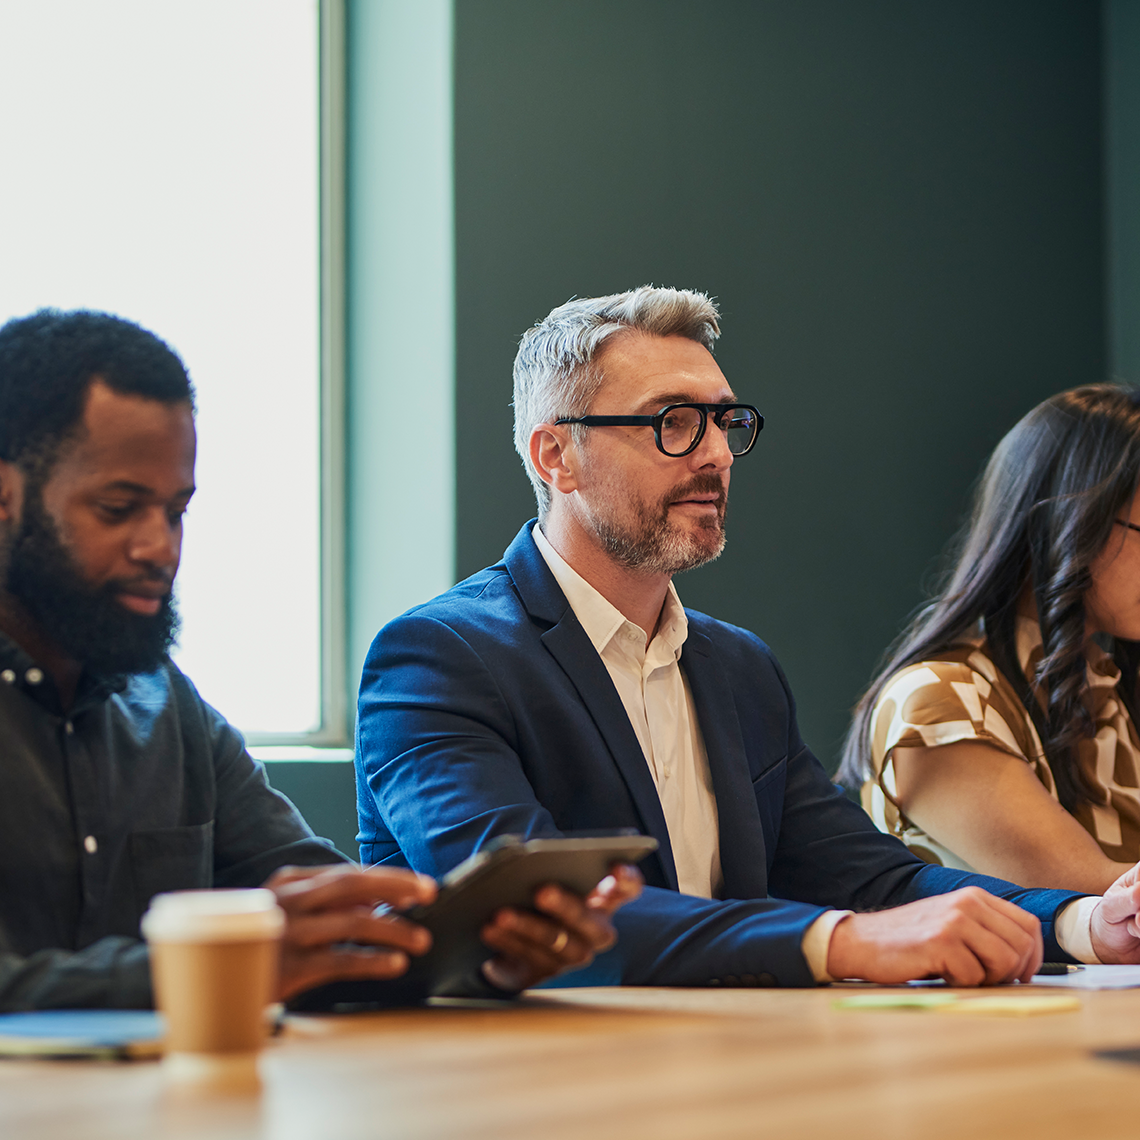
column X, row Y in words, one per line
column 111, row 973
column 990, row 809
column 967, row 937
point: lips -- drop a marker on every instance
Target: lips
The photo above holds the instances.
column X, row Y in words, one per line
column 709, row 508
column 701, row 492
column 143, row 597
column 140, row 603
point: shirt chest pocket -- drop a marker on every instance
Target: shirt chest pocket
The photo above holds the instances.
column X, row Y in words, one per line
column 172, row 859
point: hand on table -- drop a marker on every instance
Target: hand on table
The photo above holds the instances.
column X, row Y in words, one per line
column 1114, row 926
column 968, row 937
column 328, row 906
column 567, row 933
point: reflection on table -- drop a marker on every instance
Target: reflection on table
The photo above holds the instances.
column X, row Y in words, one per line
column 630, row 1063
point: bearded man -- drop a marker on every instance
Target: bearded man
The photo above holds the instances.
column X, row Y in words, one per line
column 116, row 780
column 566, row 688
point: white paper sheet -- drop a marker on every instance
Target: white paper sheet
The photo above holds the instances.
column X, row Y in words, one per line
column 1094, row 978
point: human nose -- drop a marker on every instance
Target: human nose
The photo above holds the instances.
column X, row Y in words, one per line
column 157, row 540
column 713, row 450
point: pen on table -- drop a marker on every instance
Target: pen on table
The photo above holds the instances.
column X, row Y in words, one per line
column 1050, row 968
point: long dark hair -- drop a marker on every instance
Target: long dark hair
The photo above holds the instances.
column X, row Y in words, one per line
column 1042, row 512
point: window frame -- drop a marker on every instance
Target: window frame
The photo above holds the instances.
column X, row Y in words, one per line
column 334, row 731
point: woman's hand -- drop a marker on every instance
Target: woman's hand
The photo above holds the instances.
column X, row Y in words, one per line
column 1114, row 928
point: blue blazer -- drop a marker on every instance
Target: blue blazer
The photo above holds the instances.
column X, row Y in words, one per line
column 487, row 711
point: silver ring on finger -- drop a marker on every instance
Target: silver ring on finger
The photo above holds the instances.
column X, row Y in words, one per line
column 559, row 943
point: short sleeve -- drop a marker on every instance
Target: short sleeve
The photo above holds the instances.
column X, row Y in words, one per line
column 962, row 697
column 943, row 702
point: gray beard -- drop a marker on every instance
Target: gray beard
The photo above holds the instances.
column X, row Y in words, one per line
column 650, row 544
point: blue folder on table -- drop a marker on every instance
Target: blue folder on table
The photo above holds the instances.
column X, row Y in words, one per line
column 109, row 1034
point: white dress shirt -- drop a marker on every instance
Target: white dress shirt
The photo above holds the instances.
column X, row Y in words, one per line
column 659, row 704
column 657, row 700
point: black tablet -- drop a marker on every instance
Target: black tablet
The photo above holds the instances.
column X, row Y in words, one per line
column 506, row 872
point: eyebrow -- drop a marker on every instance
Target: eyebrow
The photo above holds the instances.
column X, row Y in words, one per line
column 142, row 489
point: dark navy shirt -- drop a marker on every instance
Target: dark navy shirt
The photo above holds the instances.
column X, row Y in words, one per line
column 142, row 787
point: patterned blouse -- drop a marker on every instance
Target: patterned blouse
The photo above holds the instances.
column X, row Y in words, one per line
column 962, row 696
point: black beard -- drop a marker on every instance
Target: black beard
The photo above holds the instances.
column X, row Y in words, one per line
column 87, row 623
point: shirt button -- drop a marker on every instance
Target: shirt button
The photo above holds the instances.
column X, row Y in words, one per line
column 9, row 675
column 34, row 676
column 89, row 845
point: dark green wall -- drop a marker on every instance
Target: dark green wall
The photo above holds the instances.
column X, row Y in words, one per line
column 898, row 205
column 325, row 793
column 1122, row 135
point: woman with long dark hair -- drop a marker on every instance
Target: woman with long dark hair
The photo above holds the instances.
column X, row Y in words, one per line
column 1000, row 734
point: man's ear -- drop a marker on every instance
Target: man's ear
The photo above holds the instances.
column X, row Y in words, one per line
column 553, row 455
column 11, row 491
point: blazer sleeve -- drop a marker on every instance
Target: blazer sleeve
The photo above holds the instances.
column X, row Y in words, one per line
column 831, row 853
column 439, row 770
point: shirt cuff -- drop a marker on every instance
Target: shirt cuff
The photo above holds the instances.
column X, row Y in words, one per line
column 816, row 942
column 1073, row 929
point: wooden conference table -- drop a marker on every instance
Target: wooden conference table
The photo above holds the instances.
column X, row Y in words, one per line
column 660, row 1064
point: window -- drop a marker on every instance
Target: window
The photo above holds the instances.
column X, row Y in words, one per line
column 163, row 161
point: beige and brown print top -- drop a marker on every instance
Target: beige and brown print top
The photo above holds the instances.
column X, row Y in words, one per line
column 962, row 696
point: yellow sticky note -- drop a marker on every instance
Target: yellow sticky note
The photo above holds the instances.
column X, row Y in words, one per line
column 915, row 999
column 1012, row 1005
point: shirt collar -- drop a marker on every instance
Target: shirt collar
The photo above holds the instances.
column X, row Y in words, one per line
column 20, row 670
column 599, row 617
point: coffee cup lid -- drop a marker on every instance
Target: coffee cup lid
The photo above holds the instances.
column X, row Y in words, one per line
column 213, row 916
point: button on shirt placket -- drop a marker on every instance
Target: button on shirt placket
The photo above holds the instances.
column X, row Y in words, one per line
column 89, row 813
column 626, row 653
column 662, row 689
column 84, row 794
column 657, row 700
column 684, row 784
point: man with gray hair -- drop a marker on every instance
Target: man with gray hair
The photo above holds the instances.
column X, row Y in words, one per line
column 565, row 689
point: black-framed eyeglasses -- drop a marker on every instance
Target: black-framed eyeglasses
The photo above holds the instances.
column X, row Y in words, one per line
column 1123, row 522
column 679, row 428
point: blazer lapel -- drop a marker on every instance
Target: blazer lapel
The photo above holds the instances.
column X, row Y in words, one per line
column 742, row 849
column 571, row 648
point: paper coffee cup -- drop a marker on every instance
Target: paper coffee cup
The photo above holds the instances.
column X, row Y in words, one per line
column 214, row 959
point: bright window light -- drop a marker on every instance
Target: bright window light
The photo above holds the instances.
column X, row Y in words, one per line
column 161, row 161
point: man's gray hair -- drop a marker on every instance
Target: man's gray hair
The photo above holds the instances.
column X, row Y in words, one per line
column 554, row 372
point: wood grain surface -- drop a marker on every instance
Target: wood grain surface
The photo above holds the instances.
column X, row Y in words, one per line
column 596, row 1064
